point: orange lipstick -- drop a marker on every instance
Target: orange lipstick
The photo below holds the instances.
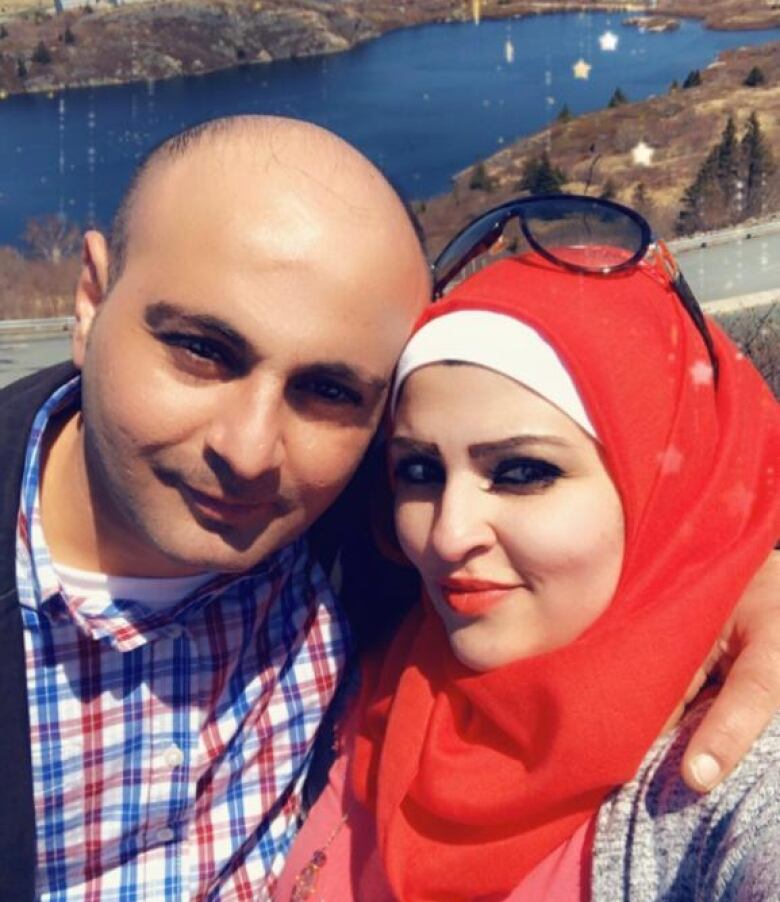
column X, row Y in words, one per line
column 473, row 597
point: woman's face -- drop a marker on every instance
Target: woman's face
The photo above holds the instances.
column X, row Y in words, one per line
column 505, row 507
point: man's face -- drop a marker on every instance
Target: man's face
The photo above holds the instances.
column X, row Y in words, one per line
column 235, row 374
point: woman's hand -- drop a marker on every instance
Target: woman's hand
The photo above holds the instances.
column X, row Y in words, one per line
column 750, row 652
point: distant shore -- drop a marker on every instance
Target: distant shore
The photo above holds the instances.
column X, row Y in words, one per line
column 101, row 44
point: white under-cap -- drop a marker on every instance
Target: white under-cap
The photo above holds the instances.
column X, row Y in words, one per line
column 498, row 342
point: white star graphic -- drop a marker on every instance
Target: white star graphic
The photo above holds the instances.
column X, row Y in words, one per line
column 670, row 460
column 701, row 373
column 739, row 500
column 608, row 41
column 581, row 69
column 509, row 51
column 643, row 154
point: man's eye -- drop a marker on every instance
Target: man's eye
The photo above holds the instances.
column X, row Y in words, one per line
column 197, row 346
column 332, row 392
column 525, row 472
column 418, row 471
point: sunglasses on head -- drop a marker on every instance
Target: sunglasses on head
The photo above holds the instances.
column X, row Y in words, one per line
column 578, row 233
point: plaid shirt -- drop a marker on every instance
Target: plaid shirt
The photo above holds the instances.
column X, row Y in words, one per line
column 169, row 746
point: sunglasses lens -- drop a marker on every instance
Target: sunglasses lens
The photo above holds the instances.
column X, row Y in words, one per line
column 585, row 234
column 468, row 245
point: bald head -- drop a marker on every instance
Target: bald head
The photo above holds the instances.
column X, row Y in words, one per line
column 234, row 369
column 326, row 168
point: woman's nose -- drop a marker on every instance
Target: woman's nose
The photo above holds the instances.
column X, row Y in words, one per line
column 462, row 523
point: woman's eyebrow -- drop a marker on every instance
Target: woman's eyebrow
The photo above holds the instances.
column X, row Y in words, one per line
column 484, row 449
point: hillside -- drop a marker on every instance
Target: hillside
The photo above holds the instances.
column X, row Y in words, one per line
column 100, row 43
column 679, row 128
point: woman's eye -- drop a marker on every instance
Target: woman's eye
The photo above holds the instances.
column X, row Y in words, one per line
column 418, row 471
column 526, row 472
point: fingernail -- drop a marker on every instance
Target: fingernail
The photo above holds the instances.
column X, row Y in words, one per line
column 706, row 770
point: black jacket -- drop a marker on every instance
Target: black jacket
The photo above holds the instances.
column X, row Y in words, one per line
column 374, row 593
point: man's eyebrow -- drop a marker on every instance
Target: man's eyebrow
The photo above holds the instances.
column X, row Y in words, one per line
column 345, row 372
column 410, row 445
column 483, row 449
column 163, row 314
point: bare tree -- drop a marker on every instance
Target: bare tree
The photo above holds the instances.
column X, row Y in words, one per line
column 52, row 237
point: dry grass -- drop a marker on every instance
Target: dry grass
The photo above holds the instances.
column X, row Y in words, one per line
column 757, row 332
column 35, row 288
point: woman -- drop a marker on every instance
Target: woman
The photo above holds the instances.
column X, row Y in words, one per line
column 584, row 477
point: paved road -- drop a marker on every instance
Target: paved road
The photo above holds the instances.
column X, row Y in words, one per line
column 737, row 262
column 19, row 357
column 742, row 261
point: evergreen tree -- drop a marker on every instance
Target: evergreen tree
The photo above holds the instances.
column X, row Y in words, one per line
column 674, row 86
column 754, row 78
column 700, row 198
column 3, row 31
column 609, row 191
column 69, row 37
column 728, row 172
column 41, row 54
column 758, row 166
column 541, row 177
column 21, row 68
column 640, row 200
column 618, row 98
column 692, row 79
column 564, row 115
column 480, row 180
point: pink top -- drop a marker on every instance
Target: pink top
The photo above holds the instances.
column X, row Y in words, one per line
column 343, row 831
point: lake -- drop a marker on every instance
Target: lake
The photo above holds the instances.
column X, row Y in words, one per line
column 423, row 103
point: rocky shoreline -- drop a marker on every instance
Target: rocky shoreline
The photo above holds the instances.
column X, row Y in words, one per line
column 104, row 44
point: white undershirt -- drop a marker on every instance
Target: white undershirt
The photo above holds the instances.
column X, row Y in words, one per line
column 152, row 592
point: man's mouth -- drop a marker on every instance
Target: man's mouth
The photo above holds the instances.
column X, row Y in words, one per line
column 227, row 510
column 473, row 597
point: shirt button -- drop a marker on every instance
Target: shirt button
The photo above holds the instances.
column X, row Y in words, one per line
column 174, row 756
column 165, row 834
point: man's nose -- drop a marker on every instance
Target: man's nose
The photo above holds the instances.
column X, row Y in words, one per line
column 246, row 432
column 462, row 523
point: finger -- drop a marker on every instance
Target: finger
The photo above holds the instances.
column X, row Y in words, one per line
column 746, row 703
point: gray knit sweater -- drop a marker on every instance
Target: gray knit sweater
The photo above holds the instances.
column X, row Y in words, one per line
column 656, row 841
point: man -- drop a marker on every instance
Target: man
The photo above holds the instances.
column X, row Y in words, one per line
column 171, row 644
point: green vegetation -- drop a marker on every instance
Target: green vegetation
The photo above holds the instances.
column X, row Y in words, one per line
column 541, row 177
column 641, row 202
column 758, row 167
column 41, row 54
column 754, row 78
column 609, row 191
column 618, row 98
column 692, row 79
column 732, row 184
column 480, row 180
column 564, row 115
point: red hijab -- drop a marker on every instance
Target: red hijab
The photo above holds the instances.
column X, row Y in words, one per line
column 476, row 777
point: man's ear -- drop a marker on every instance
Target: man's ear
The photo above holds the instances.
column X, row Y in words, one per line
column 91, row 290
